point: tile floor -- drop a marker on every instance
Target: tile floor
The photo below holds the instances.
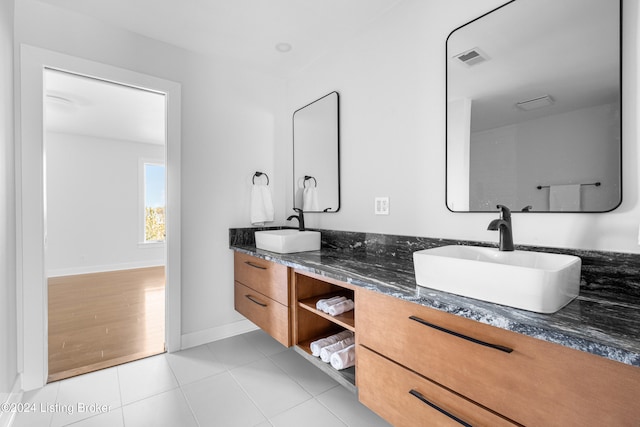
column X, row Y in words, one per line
column 247, row 380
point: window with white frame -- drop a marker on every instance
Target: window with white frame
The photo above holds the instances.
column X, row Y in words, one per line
column 153, row 202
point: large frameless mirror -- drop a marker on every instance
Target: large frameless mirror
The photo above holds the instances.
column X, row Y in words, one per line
column 316, row 142
column 534, row 108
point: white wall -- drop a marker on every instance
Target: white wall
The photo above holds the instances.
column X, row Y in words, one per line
column 391, row 80
column 93, row 204
column 508, row 163
column 230, row 121
column 8, row 321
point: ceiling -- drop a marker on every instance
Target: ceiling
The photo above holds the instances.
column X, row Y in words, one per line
column 567, row 49
column 244, row 30
column 91, row 107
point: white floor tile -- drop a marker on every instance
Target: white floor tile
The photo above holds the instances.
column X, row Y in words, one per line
column 235, row 351
column 309, row 414
column 168, row 409
column 312, row 379
column 219, row 401
column 194, row 364
column 109, row 419
column 264, row 342
column 36, row 405
column 346, row 406
column 269, row 387
column 145, row 378
column 86, row 396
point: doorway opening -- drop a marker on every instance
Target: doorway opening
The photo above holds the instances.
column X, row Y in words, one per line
column 105, row 204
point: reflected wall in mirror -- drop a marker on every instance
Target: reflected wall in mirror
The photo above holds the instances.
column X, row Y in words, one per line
column 534, row 108
column 316, row 142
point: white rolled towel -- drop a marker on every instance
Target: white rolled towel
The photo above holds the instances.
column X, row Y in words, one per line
column 318, row 345
column 344, row 358
column 323, row 304
column 341, row 307
column 326, row 352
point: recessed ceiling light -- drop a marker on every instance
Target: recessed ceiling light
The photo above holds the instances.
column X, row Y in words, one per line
column 284, row 47
column 532, row 104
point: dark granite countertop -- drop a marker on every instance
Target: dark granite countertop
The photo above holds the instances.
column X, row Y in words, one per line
column 600, row 321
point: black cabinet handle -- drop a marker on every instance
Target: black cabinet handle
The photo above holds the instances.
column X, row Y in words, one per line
column 456, row 334
column 255, row 265
column 253, row 300
column 424, row 400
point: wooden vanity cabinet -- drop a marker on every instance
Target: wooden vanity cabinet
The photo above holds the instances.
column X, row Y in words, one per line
column 519, row 378
column 261, row 294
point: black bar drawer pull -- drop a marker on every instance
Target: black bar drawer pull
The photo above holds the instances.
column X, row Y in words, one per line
column 423, row 399
column 456, row 334
column 255, row 301
column 255, row 265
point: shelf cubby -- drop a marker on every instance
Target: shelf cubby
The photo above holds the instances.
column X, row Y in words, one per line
column 346, row 320
column 311, row 324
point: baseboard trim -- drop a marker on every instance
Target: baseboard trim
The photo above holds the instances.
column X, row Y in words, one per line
column 14, row 397
column 88, row 269
column 214, row 334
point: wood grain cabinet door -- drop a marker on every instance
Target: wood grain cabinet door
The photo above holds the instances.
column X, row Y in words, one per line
column 266, row 277
column 268, row 314
column 405, row 398
column 528, row 380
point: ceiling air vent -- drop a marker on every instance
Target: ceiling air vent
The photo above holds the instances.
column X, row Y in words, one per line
column 472, row 57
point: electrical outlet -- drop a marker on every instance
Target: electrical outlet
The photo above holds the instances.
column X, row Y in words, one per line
column 381, row 206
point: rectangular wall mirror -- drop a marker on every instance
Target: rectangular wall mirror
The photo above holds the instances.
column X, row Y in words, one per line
column 316, row 155
column 534, row 108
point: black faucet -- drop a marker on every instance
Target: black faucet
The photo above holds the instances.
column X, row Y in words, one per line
column 504, row 226
column 299, row 217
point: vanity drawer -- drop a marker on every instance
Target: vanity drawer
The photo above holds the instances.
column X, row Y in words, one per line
column 536, row 383
column 269, row 315
column 266, row 277
column 406, row 399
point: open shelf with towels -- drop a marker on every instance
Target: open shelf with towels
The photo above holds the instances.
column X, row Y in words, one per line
column 311, row 324
column 345, row 320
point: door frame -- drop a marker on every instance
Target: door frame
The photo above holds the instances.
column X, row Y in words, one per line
column 32, row 295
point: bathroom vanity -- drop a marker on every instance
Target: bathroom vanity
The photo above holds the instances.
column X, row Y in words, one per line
column 447, row 359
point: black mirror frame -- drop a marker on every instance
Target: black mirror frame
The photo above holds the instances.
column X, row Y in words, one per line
column 446, row 96
column 338, row 149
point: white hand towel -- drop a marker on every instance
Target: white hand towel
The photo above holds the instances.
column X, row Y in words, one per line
column 344, row 358
column 318, row 345
column 326, row 352
column 310, row 199
column 564, row 197
column 323, row 304
column 341, row 307
column 261, row 204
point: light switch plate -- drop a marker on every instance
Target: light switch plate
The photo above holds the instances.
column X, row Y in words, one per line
column 381, row 206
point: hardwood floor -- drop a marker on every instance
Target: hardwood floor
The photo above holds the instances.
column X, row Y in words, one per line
column 104, row 319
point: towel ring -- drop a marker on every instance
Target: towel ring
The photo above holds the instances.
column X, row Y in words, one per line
column 258, row 174
column 307, row 178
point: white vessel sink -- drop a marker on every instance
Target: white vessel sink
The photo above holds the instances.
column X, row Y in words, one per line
column 534, row 281
column 287, row 241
